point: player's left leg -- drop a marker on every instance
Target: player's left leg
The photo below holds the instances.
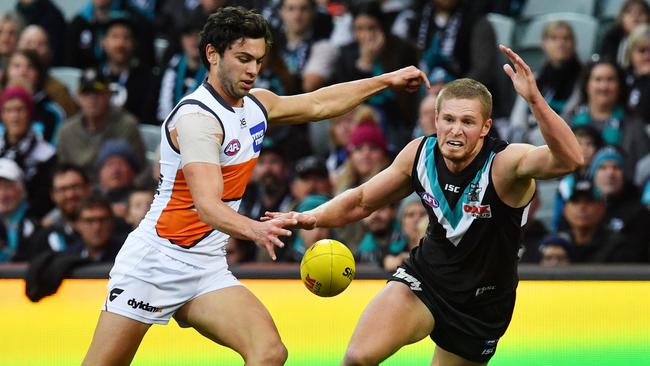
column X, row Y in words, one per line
column 393, row 319
column 445, row 358
column 115, row 341
column 235, row 318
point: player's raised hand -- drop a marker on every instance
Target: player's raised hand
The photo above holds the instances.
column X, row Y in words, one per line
column 408, row 78
column 522, row 76
column 266, row 233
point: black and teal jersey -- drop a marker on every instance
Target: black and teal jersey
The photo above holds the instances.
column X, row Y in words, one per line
column 469, row 253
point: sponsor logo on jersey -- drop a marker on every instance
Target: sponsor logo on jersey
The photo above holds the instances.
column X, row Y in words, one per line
column 114, row 294
column 144, row 306
column 413, row 282
column 430, row 200
column 452, row 188
column 478, row 211
column 484, row 289
column 232, row 148
column 257, row 133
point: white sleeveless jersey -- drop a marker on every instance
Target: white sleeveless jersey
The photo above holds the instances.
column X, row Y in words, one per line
column 172, row 223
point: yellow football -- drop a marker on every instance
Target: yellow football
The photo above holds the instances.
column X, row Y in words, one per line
column 327, row 268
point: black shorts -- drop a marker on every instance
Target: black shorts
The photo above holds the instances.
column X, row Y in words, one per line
column 469, row 333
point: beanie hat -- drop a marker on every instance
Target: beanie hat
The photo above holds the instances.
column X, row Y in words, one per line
column 606, row 154
column 21, row 93
column 367, row 133
column 117, row 147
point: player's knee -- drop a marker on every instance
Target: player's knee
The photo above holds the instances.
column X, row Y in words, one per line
column 356, row 357
column 269, row 354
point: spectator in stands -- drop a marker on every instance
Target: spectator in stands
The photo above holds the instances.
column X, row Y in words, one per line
column 602, row 105
column 637, row 62
column 376, row 51
column 19, row 143
column 378, row 232
column 303, row 45
column 11, row 25
column 268, row 190
column 615, row 41
column 555, row 251
column 593, row 239
column 117, row 166
column 532, row 233
column 130, row 80
column 411, row 213
column 590, row 142
column 139, row 203
column 455, row 40
column 426, row 117
column 303, row 239
column 183, row 73
column 312, row 177
column 368, row 155
column 172, row 16
column 45, row 14
column 625, row 213
column 340, row 129
column 83, row 134
column 36, row 39
column 86, row 30
column 25, row 68
column 97, row 239
column 16, row 227
column 645, row 195
column 557, row 81
column 70, row 187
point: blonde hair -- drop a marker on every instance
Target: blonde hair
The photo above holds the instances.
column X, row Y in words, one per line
column 640, row 34
column 556, row 24
column 467, row 89
column 362, row 113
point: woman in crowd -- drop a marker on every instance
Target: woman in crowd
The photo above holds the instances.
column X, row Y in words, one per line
column 638, row 72
column 615, row 41
column 11, row 24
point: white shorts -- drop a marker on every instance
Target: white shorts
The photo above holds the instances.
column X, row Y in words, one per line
column 149, row 286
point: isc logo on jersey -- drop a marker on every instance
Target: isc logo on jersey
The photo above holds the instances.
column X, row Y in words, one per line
column 430, row 200
column 232, row 148
column 477, row 210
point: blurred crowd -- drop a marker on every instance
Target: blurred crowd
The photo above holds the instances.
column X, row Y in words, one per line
column 76, row 174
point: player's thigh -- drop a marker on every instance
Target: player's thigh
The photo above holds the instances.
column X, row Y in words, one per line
column 115, row 341
column 442, row 357
column 231, row 316
column 394, row 318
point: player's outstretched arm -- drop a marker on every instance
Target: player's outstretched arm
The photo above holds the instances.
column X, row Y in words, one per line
column 390, row 185
column 336, row 99
column 206, row 186
column 562, row 154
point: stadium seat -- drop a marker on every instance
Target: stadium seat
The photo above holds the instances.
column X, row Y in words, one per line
column 585, row 28
column 534, row 8
column 151, row 138
column 503, row 26
column 546, row 192
column 67, row 75
column 69, row 8
column 609, row 9
column 6, row 6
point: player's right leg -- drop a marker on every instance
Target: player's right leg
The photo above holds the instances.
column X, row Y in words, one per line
column 235, row 318
column 442, row 357
column 115, row 341
column 393, row 319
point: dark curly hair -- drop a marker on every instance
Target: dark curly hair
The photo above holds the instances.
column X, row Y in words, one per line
column 229, row 24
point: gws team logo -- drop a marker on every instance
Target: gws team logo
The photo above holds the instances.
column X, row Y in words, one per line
column 232, row 148
column 257, row 133
column 430, row 200
column 114, row 293
column 477, row 210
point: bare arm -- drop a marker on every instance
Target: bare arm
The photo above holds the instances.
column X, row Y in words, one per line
column 336, row 99
column 561, row 154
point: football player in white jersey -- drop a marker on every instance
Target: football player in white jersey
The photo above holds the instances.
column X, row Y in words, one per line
column 173, row 264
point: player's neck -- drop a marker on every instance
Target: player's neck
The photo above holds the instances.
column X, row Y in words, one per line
column 216, row 85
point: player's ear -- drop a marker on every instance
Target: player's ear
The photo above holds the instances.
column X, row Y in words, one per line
column 486, row 127
column 211, row 54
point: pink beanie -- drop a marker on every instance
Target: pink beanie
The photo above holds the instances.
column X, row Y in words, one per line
column 367, row 133
column 21, row 93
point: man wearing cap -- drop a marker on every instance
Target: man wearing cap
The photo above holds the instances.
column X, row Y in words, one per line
column 20, row 143
column 312, row 177
column 82, row 135
column 593, row 239
column 16, row 228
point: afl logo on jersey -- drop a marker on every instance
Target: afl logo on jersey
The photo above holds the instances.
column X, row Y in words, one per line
column 430, row 200
column 232, row 148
